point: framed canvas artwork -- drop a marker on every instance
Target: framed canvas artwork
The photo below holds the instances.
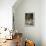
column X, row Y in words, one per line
column 29, row 19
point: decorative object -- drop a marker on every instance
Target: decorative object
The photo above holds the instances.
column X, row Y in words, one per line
column 29, row 18
column 29, row 43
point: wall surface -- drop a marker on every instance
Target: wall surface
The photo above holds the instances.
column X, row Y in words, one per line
column 43, row 22
column 6, row 15
column 30, row 32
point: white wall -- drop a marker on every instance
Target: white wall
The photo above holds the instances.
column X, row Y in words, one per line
column 43, row 22
column 33, row 31
column 6, row 13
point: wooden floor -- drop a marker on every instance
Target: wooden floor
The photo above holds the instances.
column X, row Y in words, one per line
column 12, row 42
column 8, row 43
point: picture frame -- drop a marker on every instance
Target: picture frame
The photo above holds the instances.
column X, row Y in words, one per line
column 29, row 18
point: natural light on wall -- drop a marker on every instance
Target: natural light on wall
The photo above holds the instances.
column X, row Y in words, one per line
column 6, row 18
column 6, row 13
